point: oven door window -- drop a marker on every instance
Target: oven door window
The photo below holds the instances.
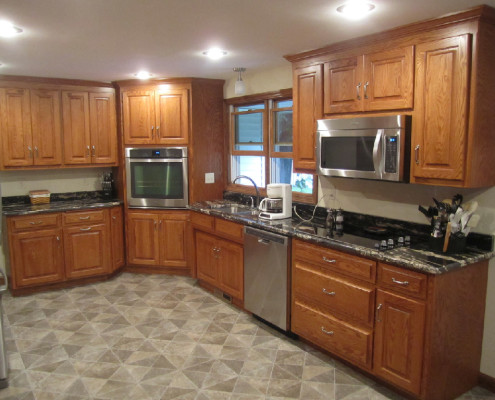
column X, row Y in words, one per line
column 354, row 153
column 157, row 180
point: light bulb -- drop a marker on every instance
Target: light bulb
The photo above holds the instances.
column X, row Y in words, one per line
column 7, row 29
column 356, row 9
column 215, row 53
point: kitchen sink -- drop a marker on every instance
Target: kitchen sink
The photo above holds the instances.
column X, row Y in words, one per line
column 237, row 210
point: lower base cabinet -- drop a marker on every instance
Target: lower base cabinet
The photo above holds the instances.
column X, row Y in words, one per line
column 52, row 248
column 421, row 333
column 157, row 239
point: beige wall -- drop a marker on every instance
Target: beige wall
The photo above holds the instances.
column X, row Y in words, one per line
column 393, row 200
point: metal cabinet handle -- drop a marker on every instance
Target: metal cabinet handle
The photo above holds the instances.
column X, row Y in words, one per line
column 330, row 333
column 378, row 313
column 358, row 89
column 87, row 151
column 114, row 217
column 416, row 154
column 58, row 238
column 403, row 283
column 327, row 292
column 85, row 229
column 35, row 223
column 152, row 132
column 157, row 131
column 93, row 150
column 156, row 225
column 84, row 218
column 36, row 151
column 366, row 90
column 328, row 260
column 30, row 152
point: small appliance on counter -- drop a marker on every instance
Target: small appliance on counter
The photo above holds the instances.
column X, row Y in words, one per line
column 107, row 184
column 278, row 203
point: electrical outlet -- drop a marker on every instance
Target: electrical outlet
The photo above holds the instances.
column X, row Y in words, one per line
column 210, row 177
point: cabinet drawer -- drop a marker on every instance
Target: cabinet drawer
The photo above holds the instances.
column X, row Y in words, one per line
column 336, row 293
column 82, row 217
column 229, row 228
column 402, row 280
column 33, row 222
column 343, row 263
column 347, row 341
column 202, row 220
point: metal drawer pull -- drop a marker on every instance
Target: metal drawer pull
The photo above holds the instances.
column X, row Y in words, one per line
column 84, row 217
column 378, row 313
column 85, row 229
column 403, row 283
column 326, row 332
column 329, row 293
column 36, row 223
column 328, row 260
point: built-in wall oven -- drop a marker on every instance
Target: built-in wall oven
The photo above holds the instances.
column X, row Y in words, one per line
column 156, row 177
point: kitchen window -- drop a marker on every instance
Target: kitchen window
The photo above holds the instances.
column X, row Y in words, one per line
column 261, row 145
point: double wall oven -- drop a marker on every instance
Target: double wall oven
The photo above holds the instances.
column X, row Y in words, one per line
column 156, row 177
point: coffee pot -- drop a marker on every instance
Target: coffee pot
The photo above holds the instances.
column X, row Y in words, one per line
column 278, row 203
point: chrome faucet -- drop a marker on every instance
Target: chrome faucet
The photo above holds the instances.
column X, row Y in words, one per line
column 255, row 187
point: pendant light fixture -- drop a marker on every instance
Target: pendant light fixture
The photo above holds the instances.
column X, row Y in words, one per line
column 240, row 87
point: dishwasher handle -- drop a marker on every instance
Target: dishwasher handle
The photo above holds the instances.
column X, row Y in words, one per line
column 265, row 237
column 264, row 242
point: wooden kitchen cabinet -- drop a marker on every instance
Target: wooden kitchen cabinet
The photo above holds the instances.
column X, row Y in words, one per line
column 46, row 250
column 372, row 82
column 219, row 254
column 399, row 338
column 156, row 116
column 157, row 239
column 31, row 127
column 89, row 127
column 307, row 109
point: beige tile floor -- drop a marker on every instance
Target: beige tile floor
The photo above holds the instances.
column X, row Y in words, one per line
column 161, row 337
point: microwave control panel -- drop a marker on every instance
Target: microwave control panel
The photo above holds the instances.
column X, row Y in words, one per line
column 391, row 154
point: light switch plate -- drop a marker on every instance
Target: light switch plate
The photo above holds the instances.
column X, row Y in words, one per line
column 210, row 177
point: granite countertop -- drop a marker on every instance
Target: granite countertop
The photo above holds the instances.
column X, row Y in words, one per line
column 58, row 206
column 422, row 260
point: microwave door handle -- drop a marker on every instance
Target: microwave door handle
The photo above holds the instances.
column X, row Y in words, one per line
column 377, row 153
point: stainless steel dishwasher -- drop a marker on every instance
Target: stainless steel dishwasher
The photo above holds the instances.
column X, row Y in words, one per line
column 266, row 274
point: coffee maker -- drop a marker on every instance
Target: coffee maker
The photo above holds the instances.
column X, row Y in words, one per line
column 278, row 202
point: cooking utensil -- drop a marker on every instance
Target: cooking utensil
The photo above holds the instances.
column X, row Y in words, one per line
column 447, row 236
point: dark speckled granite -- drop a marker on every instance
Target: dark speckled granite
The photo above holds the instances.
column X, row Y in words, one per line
column 20, row 205
column 419, row 259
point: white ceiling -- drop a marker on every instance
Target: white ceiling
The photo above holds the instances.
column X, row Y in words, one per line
column 110, row 40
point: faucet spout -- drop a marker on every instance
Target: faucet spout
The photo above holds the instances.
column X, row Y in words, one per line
column 254, row 184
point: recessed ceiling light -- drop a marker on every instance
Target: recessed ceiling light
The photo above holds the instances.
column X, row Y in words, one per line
column 143, row 75
column 215, row 53
column 356, row 9
column 7, row 29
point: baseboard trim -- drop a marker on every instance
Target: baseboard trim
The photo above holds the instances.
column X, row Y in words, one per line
column 487, row 382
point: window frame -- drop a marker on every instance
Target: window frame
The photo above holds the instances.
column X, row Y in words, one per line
column 269, row 99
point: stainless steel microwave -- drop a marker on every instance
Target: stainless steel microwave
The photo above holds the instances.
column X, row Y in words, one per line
column 364, row 147
column 156, row 177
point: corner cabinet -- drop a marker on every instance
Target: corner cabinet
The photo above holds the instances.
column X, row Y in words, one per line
column 159, row 116
column 393, row 323
column 438, row 71
column 158, row 240
column 48, row 124
column 55, row 249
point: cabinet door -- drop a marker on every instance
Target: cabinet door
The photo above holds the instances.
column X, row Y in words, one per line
column 46, row 120
column 103, row 128
column 16, row 127
column 172, row 116
column 440, row 117
column 399, row 337
column 86, row 251
column 138, row 116
column 173, row 240
column 206, row 258
column 117, row 229
column 231, row 268
column 37, row 257
column 307, row 109
column 389, row 79
column 77, row 139
column 344, row 85
column 142, row 238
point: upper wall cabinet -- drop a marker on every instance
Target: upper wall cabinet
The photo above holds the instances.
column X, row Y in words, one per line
column 371, row 82
column 156, row 116
column 47, row 124
column 439, row 71
column 30, row 127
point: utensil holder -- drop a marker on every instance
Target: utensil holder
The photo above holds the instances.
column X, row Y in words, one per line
column 456, row 245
